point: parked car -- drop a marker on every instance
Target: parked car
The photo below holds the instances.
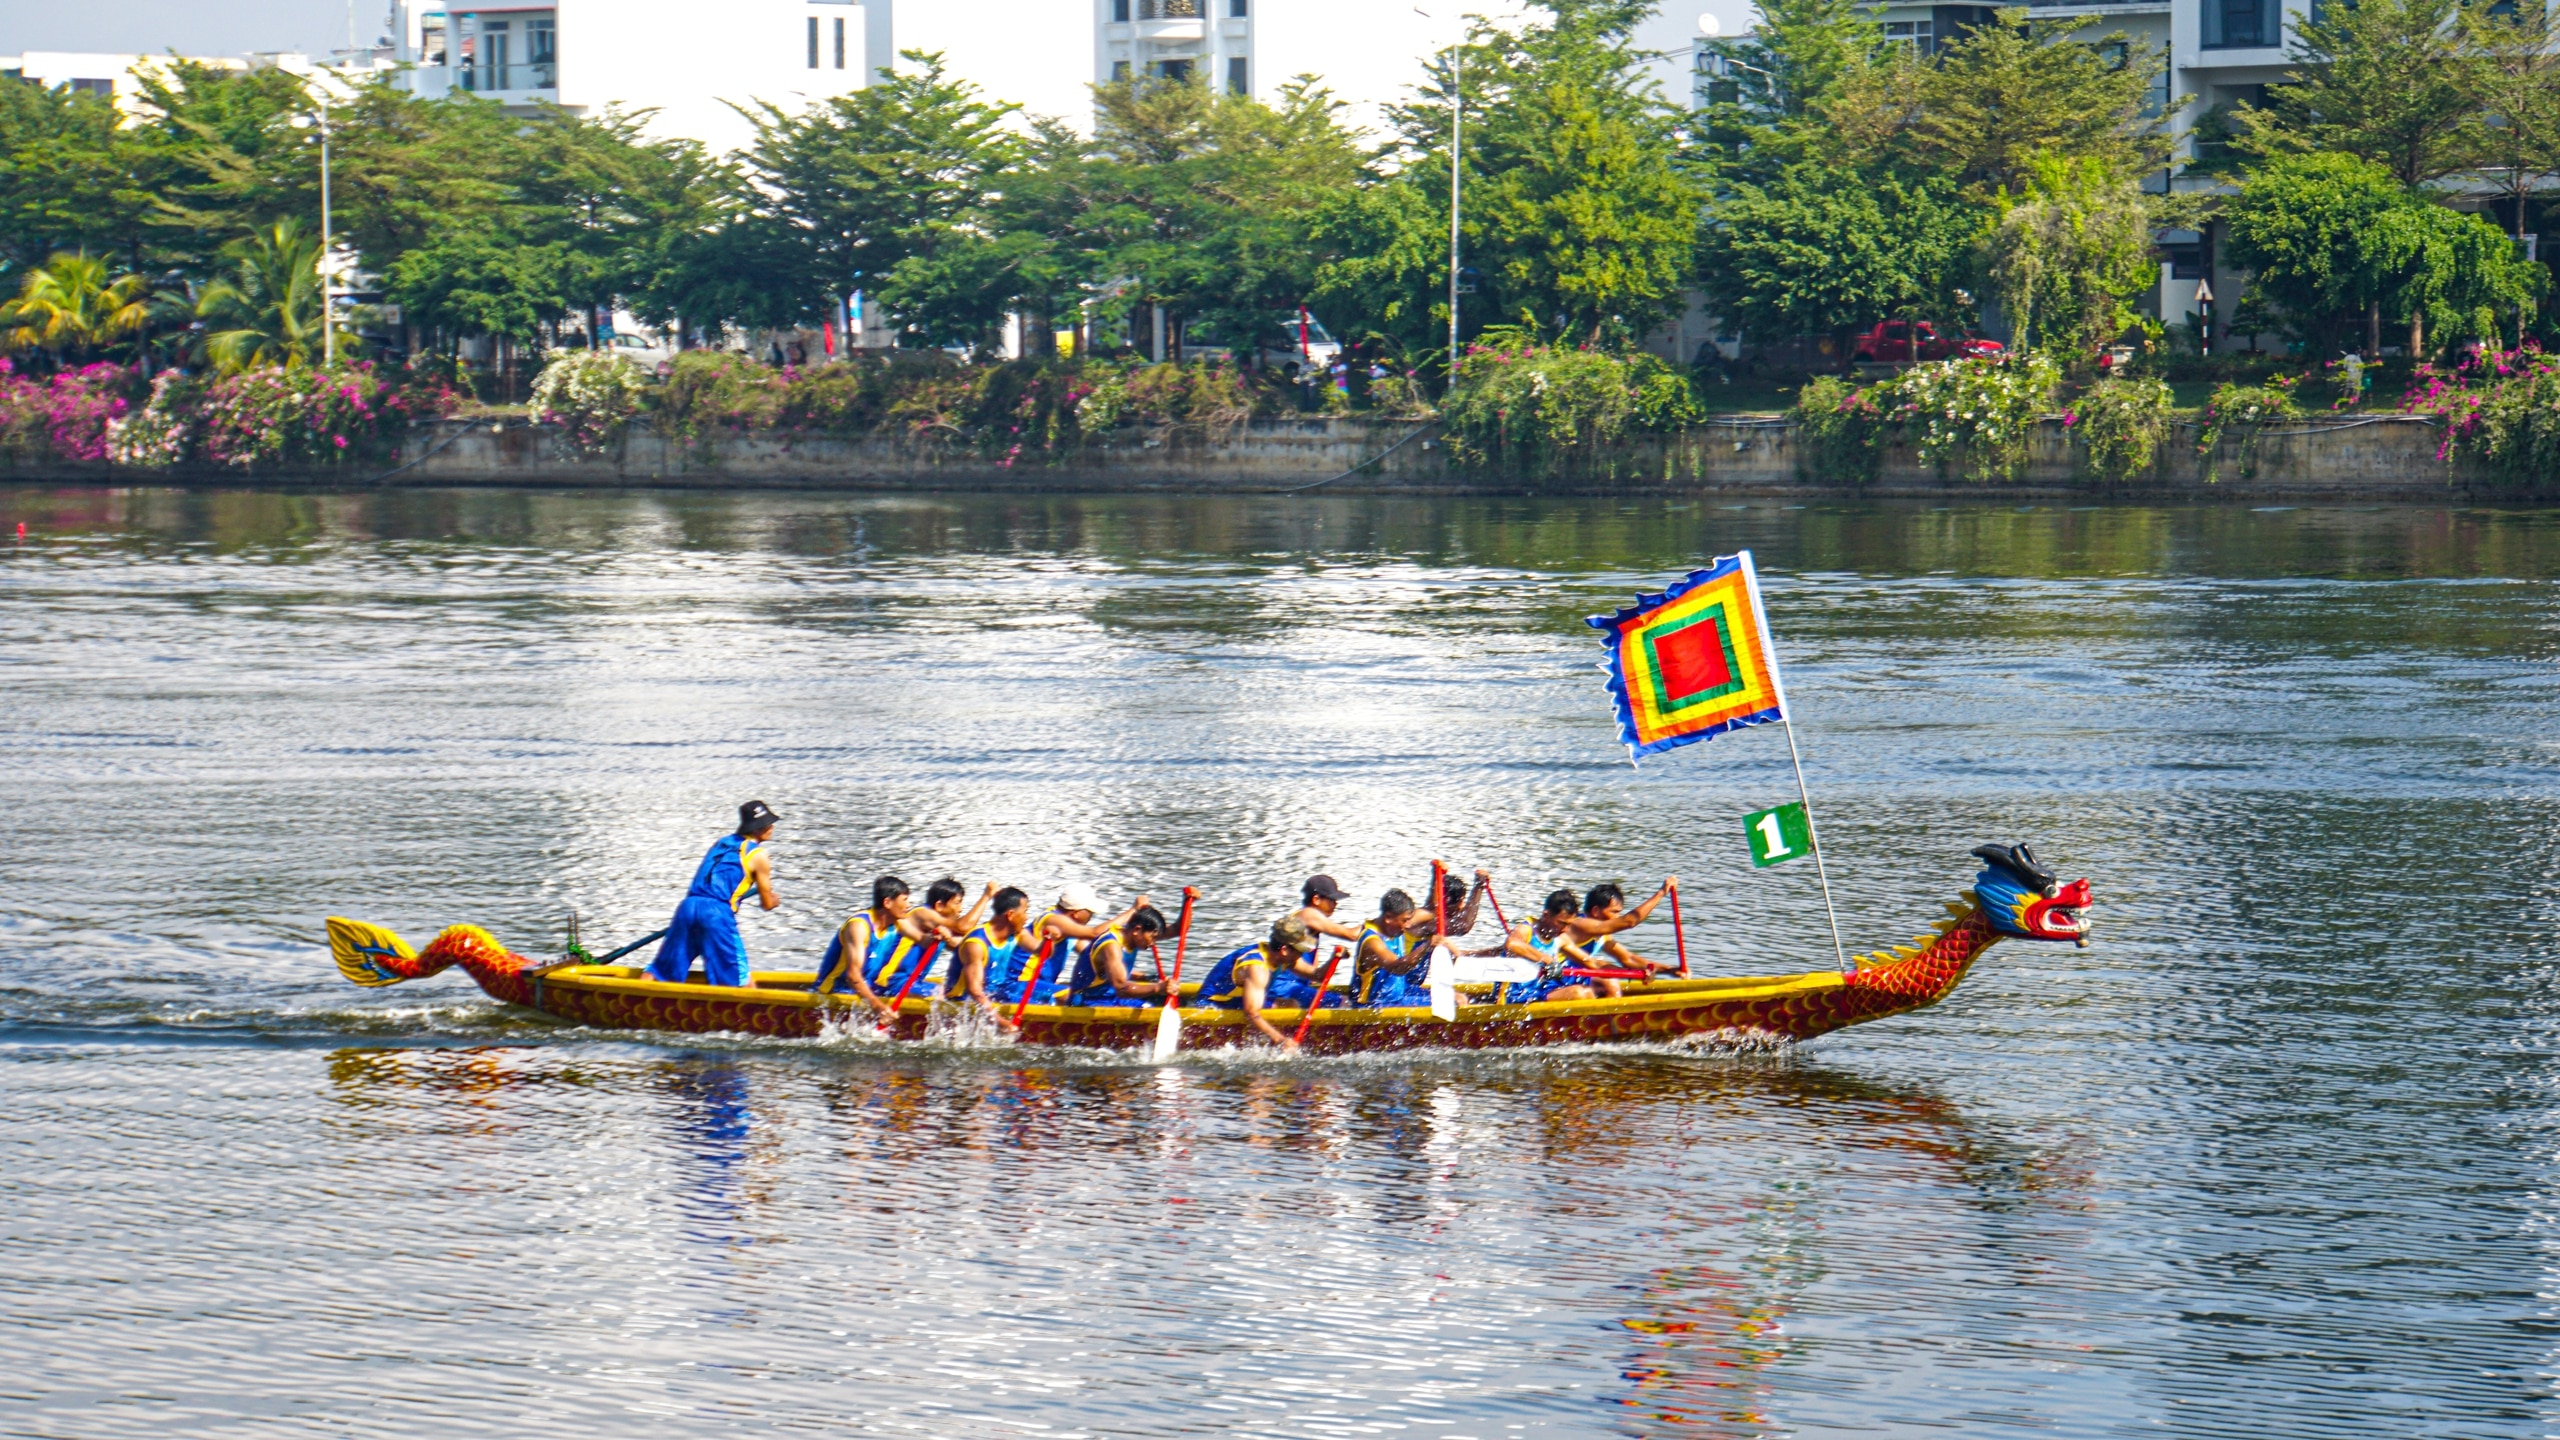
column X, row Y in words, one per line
column 1896, row 342
column 1293, row 337
column 655, row 355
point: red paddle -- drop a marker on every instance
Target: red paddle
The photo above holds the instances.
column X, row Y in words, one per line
column 1310, row 1017
column 923, row 963
column 1679, row 932
column 1169, row 1019
column 1037, row 971
column 1497, row 909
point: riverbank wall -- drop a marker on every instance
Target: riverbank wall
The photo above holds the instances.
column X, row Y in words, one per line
column 2367, row 458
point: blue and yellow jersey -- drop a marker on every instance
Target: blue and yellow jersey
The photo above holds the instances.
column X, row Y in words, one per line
column 1008, row 964
column 870, row 943
column 1225, row 986
column 1379, row 988
column 722, row 875
column 1087, row 984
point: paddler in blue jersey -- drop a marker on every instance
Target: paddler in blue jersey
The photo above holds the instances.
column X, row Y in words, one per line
column 1054, row 936
column 1604, row 914
column 1387, row 969
column 1274, row 975
column 1101, row 975
column 1548, row 941
column 874, row 953
column 992, row 968
column 705, row 926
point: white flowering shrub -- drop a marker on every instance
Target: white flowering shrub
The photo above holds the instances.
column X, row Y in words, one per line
column 1974, row 417
column 590, row 393
column 153, row 437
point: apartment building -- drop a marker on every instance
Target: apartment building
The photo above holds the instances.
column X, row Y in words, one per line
column 1209, row 41
column 687, row 63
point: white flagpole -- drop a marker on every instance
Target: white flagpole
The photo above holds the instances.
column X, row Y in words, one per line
column 1812, row 833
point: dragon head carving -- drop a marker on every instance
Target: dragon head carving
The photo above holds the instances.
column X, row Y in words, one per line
column 2020, row 897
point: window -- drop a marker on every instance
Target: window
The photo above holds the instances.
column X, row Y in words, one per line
column 1236, row 76
column 813, row 42
column 542, row 53
column 2186, row 262
column 106, row 88
column 1918, row 33
column 1119, row 72
column 839, row 42
column 2239, row 24
column 495, row 72
column 1176, row 71
column 1120, row 12
column 1236, row 10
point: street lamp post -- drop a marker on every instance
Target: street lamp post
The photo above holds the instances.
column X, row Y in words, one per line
column 328, row 300
column 1457, row 120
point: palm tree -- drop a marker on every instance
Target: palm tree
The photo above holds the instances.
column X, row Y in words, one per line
column 69, row 307
column 267, row 310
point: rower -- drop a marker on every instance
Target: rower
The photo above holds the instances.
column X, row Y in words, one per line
column 1276, row 974
column 996, row 960
column 1316, row 901
column 1604, row 914
column 1101, row 975
column 871, row 947
column 705, row 926
column 1457, row 902
column 1548, row 940
column 940, row 921
column 1387, row 966
column 1064, row 923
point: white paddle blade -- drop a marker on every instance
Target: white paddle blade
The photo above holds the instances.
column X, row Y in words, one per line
column 1497, row 969
column 1168, row 1033
column 1444, row 989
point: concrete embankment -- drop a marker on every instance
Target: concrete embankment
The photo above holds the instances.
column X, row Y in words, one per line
column 2376, row 458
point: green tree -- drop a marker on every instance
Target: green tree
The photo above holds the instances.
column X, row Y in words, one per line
column 2515, row 82
column 2065, row 257
column 266, row 311
column 1580, row 217
column 2325, row 235
column 2390, row 81
column 72, row 307
column 857, row 183
column 2012, row 94
column 67, row 179
column 1824, row 250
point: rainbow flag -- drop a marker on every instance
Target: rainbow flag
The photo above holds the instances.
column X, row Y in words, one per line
column 1694, row 661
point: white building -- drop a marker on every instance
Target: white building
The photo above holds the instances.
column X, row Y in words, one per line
column 95, row 72
column 1210, row 41
column 690, row 64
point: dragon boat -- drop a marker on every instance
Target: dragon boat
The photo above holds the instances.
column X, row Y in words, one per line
column 2013, row 897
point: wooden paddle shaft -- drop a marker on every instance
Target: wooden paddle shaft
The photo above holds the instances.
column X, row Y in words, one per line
column 924, row 962
column 1679, row 932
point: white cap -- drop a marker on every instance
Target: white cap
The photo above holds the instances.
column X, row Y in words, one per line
column 1078, row 897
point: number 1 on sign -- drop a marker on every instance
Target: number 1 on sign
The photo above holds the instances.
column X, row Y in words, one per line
column 1778, row 835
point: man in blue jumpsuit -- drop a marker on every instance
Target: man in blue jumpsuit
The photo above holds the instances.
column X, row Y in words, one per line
column 705, row 926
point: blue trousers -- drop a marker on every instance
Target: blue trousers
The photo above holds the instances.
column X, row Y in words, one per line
column 707, row 930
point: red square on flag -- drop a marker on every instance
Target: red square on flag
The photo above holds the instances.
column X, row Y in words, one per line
column 1693, row 660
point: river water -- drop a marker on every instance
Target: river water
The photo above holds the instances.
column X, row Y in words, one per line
column 2274, row 1156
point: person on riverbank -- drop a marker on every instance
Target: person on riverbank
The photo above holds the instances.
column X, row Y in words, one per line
column 1054, row 934
column 1101, row 974
column 1274, row 975
column 1387, row 965
column 1604, row 914
column 1548, row 943
column 705, row 925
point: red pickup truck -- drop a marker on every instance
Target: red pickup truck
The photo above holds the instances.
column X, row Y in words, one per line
column 1895, row 341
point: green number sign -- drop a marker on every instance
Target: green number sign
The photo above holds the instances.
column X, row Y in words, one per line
column 1778, row 836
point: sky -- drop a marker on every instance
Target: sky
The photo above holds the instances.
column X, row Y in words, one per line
column 1035, row 52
